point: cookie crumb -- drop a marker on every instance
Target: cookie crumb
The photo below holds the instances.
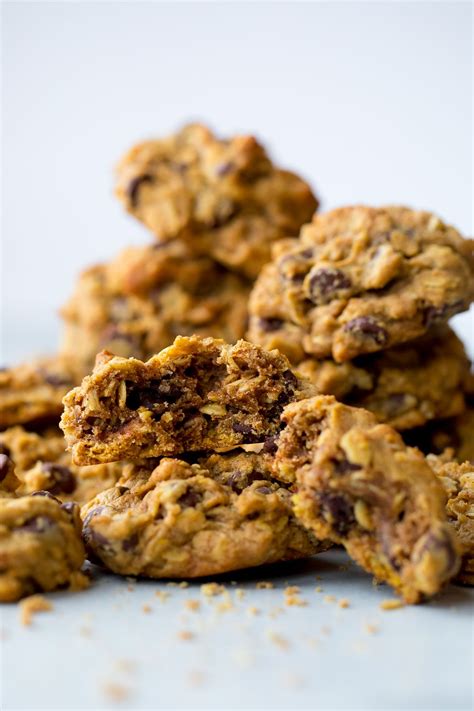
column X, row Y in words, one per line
column 371, row 628
column 329, row 598
column 147, row 609
column 343, row 602
column 295, row 601
column 252, row 610
column 278, row 640
column 31, row 605
column 162, row 595
column 183, row 584
column 79, row 581
column 116, row 692
column 212, row 589
column 225, row 605
column 319, row 589
column 192, row 605
column 264, row 585
column 185, row 635
column 240, row 593
column 391, row 604
column 292, row 590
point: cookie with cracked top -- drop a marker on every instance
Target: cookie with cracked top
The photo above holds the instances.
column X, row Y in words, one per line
column 40, row 546
column 136, row 304
column 182, row 520
column 360, row 486
column 198, row 394
column 405, row 386
column 360, row 280
column 224, row 198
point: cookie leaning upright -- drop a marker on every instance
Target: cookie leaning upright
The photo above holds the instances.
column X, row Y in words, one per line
column 224, row 198
column 360, row 280
column 359, row 485
column 198, row 394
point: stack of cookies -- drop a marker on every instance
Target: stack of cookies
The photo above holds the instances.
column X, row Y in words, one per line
column 194, row 453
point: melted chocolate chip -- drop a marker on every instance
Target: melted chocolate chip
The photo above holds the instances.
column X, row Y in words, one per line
column 238, row 481
column 344, row 466
column 437, row 314
column 368, row 327
column 190, row 498
column 63, row 480
column 134, row 186
column 37, row 524
column 290, row 378
column 439, row 541
column 340, row 511
column 128, row 544
column 155, row 392
column 264, row 489
column 268, row 325
column 270, row 445
column 93, row 538
column 245, row 430
column 325, row 282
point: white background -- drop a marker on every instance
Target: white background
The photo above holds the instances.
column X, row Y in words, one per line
column 371, row 102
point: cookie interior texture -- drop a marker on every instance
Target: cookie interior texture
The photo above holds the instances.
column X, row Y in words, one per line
column 360, row 280
column 184, row 520
column 198, row 394
column 360, row 486
column 223, row 198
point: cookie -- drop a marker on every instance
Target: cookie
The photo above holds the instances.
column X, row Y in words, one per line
column 224, row 198
column 33, row 392
column 458, row 482
column 9, row 482
column 360, row 280
column 184, row 520
column 360, row 486
column 404, row 386
column 40, row 546
column 198, row 394
column 136, row 304
column 42, row 463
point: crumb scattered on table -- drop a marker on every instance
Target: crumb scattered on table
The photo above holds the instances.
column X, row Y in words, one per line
column 264, row 585
column 32, row 605
column 329, row 598
column 343, row 602
column 162, row 595
column 371, row 628
column 192, row 605
column 391, row 604
column 278, row 640
column 185, row 635
column 212, row 589
column 116, row 692
column 252, row 610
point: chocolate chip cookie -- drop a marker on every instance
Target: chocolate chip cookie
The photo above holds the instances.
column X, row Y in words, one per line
column 185, row 520
column 359, row 485
column 198, row 394
column 42, row 463
column 33, row 391
column 136, row 304
column 360, row 280
column 224, row 198
column 404, row 386
column 40, row 546
column 458, row 481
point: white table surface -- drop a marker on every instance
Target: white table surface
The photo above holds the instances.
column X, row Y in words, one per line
column 320, row 656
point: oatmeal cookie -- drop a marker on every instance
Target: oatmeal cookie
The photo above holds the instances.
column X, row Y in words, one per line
column 33, row 391
column 40, row 546
column 185, row 520
column 198, row 394
column 224, row 198
column 360, row 280
column 458, row 481
column 136, row 304
column 42, row 463
column 9, row 482
column 404, row 386
column 359, row 485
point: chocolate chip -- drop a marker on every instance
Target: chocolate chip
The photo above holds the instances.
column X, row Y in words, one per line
column 91, row 536
column 270, row 445
column 4, row 449
column 134, row 186
column 63, row 480
column 6, row 465
column 128, row 544
column 37, row 524
column 440, row 541
column 155, row 392
column 238, row 481
column 368, row 327
column 69, row 507
column 264, row 489
column 290, row 378
column 268, row 325
column 436, row 314
column 340, row 511
column 325, row 282
column 46, row 494
column 224, row 169
column 343, row 466
column 190, row 498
